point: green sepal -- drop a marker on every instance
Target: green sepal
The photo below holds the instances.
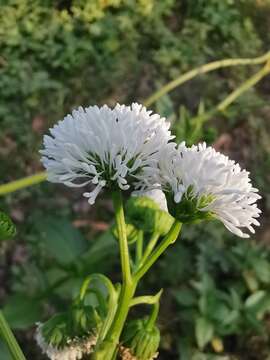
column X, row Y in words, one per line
column 78, row 322
column 7, row 228
column 142, row 340
column 145, row 214
column 188, row 210
column 132, row 233
column 83, row 318
column 55, row 330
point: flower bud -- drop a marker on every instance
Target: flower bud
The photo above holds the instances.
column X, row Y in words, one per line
column 140, row 341
column 132, row 233
column 55, row 331
column 145, row 214
column 84, row 318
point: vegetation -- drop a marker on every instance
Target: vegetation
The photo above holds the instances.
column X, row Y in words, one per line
column 56, row 55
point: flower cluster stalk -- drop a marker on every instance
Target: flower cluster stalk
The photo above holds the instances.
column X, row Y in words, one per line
column 109, row 347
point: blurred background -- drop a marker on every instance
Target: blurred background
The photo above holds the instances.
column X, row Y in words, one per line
column 57, row 55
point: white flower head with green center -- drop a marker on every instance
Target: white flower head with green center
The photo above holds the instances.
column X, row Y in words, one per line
column 215, row 184
column 105, row 147
column 75, row 349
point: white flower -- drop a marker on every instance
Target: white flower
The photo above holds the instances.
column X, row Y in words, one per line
column 156, row 195
column 105, row 147
column 74, row 349
column 217, row 183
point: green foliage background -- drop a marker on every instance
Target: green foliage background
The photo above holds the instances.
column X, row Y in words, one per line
column 56, row 55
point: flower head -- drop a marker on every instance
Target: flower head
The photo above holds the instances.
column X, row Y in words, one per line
column 73, row 350
column 105, row 147
column 208, row 182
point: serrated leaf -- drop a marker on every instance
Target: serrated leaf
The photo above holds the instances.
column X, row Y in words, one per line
column 204, row 332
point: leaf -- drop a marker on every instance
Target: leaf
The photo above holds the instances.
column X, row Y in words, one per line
column 7, row 228
column 185, row 297
column 64, row 242
column 101, row 254
column 254, row 299
column 22, row 311
column 204, row 331
column 262, row 270
column 258, row 303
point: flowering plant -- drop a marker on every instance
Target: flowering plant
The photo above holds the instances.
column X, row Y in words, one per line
column 129, row 150
column 156, row 186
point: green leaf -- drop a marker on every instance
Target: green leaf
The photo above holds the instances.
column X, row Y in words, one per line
column 7, row 228
column 254, row 299
column 262, row 270
column 101, row 254
column 204, row 331
column 185, row 297
column 64, row 242
column 22, row 311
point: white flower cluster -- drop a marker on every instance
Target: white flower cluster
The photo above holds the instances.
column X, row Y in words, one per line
column 217, row 183
column 75, row 349
column 128, row 147
column 105, row 147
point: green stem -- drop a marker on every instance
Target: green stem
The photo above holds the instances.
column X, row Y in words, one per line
column 112, row 303
column 150, row 246
column 245, row 86
column 139, row 248
column 146, row 299
column 10, row 339
column 202, row 70
column 169, row 239
column 122, row 235
column 108, row 348
column 22, row 183
column 153, row 316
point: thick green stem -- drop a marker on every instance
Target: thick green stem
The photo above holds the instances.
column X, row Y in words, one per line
column 10, row 340
column 108, row 349
column 169, row 239
column 122, row 236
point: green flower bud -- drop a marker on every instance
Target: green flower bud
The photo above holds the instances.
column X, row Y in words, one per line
column 145, row 214
column 54, row 330
column 83, row 319
column 141, row 340
column 132, row 233
column 7, row 228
